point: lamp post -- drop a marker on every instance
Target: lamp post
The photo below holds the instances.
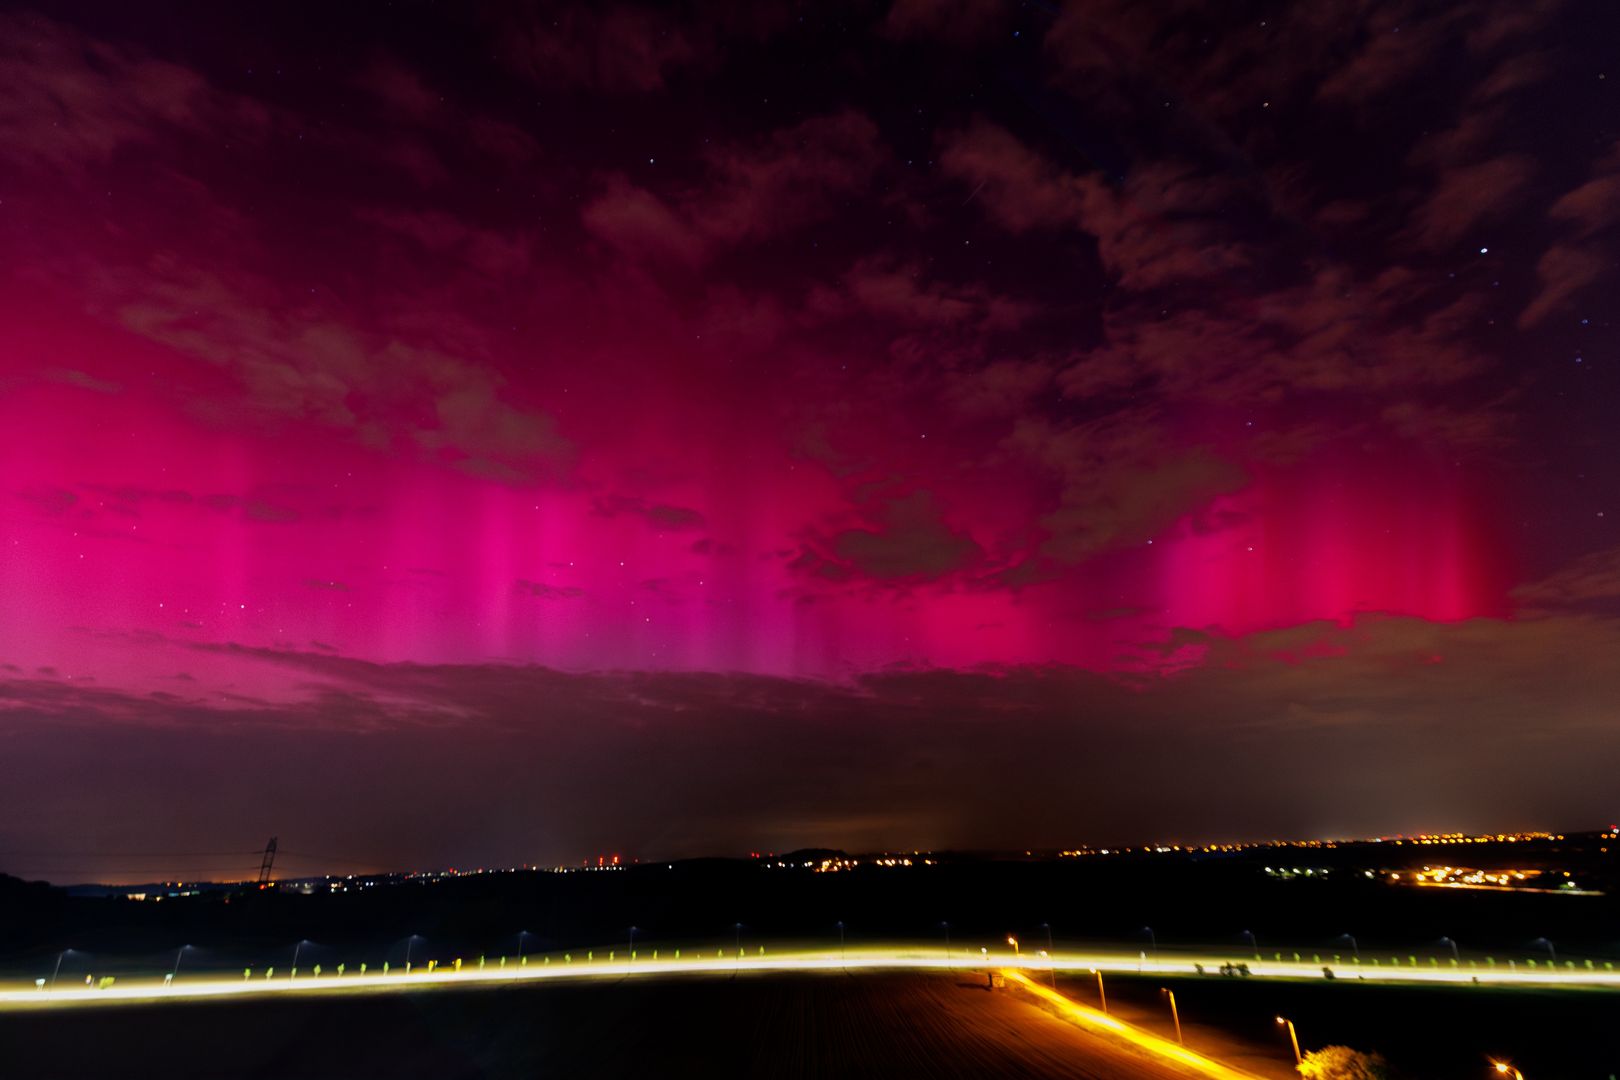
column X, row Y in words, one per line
column 1051, row 953
column 1174, row 1015
column 1014, row 943
column 178, row 954
column 58, row 969
column 1153, row 941
column 633, row 930
column 1293, row 1038
column 298, row 948
column 523, row 936
column 1355, row 948
column 409, row 942
column 1253, row 944
column 1508, row 1070
column 1102, row 995
column 1456, row 957
column 1551, row 954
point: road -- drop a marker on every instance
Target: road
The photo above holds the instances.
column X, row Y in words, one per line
column 816, row 1024
column 872, row 959
column 393, row 1014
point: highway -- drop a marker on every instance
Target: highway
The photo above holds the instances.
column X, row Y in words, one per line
column 725, row 962
column 912, row 1010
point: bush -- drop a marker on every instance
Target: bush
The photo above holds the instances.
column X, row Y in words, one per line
column 1343, row 1063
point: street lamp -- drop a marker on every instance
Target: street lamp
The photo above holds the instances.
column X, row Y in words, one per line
column 1455, row 955
column 1293, row 1037
column 1508, row 1070
column 179, row 953
column 1253, row 944
column 523, row 935
column 409, row 942
column 1174, row 1015
column 1355, row 948
column 633, row 930
column 58, row 969
column 1102, row 995
column 1051, row 953
column 1553, row 956
column 296, row 950
column 1153, row 940
column 1014, row 943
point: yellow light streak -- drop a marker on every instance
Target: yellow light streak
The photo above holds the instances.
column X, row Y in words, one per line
column 900, row 957
column 1092, row 1020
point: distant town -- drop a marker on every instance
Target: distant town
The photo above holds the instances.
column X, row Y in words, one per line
column 1564, row 863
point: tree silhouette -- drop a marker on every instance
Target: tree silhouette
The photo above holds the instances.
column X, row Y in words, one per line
column 1343, row 1063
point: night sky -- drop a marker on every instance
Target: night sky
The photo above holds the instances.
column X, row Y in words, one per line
column 484, row 434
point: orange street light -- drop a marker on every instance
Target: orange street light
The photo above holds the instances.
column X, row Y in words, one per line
column 1174, row 1015
column 1196, row 1064
column 1293, row 1037
column 1014, row 943
column 1508, row 1070
column 1102, row 995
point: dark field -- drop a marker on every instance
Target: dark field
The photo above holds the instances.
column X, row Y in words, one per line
column 801, row 1026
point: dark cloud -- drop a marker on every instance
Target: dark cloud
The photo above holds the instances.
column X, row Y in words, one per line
column 1333, row 333
column 791, row 178
column 49, row 500
column 661, row 516
column 624, row 49
column 1583, row 256
column 909, row 541
column 1591, row 581
column 1122, row 481
column 259, row 510
column 541, row 591
column 901, row 295
column 299, row 365
column 71, row 102
column 1166, row 225
column 1467, row 197
column 943, row 21
column 1564, row 272
column 490, row 252
column 83, row 380
column 1339, row 56
column 898, row 759
column 709, row 546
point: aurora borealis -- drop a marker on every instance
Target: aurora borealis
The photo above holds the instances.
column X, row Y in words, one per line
column 709, row 428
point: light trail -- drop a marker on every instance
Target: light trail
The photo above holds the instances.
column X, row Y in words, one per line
column 1101, row 1023
column 893, row 958
column 1514, row 889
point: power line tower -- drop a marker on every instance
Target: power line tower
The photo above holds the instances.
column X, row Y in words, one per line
column 267, row 863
